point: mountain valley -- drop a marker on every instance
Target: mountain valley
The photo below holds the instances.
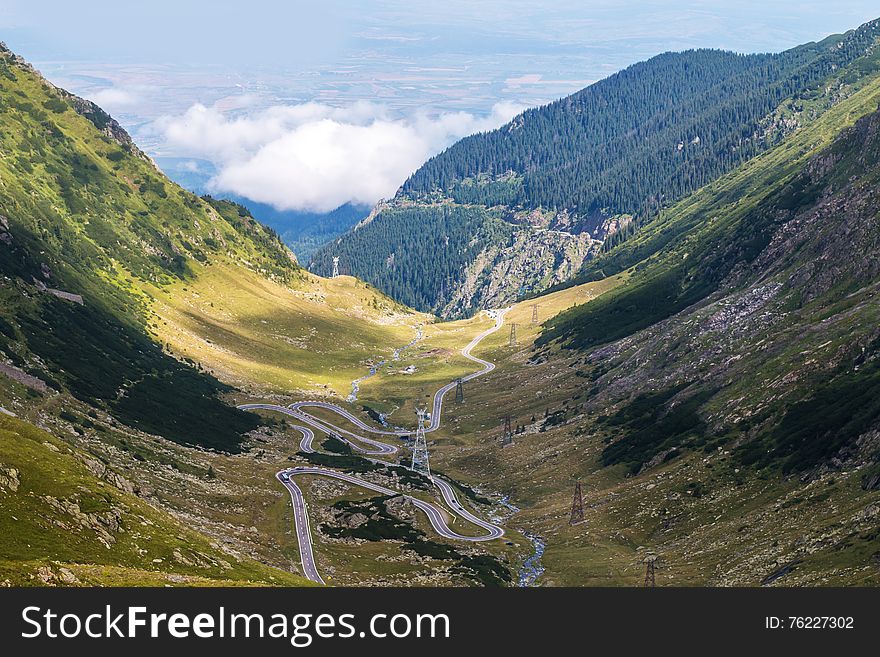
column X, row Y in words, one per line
column 686, row 310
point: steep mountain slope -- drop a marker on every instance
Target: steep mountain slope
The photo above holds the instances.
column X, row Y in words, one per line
column 762, row 302
column 588, row 166
column 132, row 313
column 86, row 222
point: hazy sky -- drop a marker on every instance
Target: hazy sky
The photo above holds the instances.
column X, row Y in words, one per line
column 310, row 104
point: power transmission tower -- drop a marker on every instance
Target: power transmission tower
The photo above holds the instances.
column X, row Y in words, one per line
column 507, row 436
column 577, row 506
column 649, row 571
column 534, row 313
column 420, row 447
column 513, row 335
column 459, row 391
column 335, row 266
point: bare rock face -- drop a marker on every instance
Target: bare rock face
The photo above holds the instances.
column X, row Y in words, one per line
column 322, row 489
column 353, row 520
column 402, row 507
column 123, row 484
column 47, row 576
column 535, row 260
column 9, row 479
column 105, row 524
column 95, row 466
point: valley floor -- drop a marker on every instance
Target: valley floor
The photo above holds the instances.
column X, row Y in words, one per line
column 704, row 523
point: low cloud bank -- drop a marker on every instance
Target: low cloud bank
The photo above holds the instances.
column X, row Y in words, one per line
column 316, row 157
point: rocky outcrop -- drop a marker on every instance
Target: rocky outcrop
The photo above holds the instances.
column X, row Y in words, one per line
column 535, row 260
column 5, row 234
column 9, row 480
column 49, row 576
column 104, row 524
column 401, row 507
column 23, row 378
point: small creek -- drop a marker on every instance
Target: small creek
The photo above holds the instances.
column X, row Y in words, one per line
column 531, row 568
column 375, row 367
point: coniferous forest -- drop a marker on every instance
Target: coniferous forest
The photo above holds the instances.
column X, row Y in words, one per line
column 648, row 134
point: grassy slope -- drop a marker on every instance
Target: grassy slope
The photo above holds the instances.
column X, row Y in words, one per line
column 138, row 249
column 438, row 360
column 90, row 215
column 711, row 521
column 253, row 321
column 110, row 537
column 314, row 338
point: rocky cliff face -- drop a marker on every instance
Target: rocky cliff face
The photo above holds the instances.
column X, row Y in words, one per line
column 533, row 261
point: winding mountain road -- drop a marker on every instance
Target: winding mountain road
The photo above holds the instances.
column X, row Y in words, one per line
column 436, row 515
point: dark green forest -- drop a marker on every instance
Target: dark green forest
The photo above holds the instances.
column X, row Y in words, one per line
column 416, row 266
column 642, row 137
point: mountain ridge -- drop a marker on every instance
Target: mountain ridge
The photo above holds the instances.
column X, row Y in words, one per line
column 719, row 110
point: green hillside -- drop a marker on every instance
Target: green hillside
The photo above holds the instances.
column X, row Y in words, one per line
column 763, row 281
column 64, row 525
column 84, row 212
column 135, row 316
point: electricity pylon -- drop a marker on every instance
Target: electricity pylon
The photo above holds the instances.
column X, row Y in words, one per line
column 649, row 571
column 577, row 506
column 513, row 335
column 335, row 266
column 507, row 436
column 420, row 447
column 459, row 391
column 534, row 313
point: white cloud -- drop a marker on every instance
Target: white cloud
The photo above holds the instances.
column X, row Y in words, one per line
column 528, row 78
column 114, row 98
column 316, row 157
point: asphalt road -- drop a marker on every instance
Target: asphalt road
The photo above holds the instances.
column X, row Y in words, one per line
column 302, row 527
column 368, row 446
